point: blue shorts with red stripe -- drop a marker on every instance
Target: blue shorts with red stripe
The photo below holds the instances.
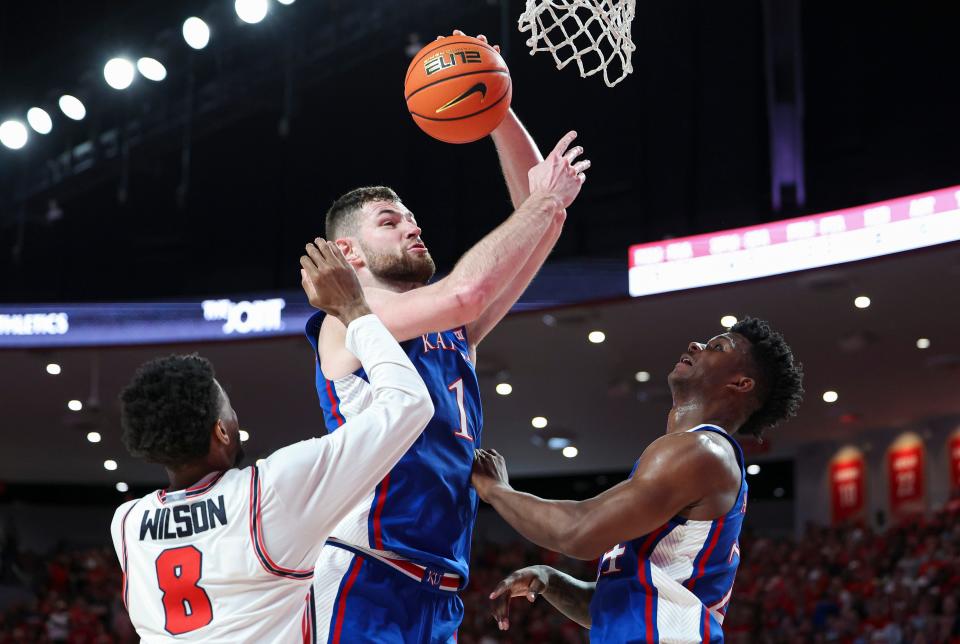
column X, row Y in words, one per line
column 375, row 603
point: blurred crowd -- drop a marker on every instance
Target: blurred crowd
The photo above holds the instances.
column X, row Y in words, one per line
column 72, row 595
column 849, row 585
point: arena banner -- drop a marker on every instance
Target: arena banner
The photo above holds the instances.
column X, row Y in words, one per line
column 260, row 315
column 953, row 454
column 847, row 478
column 813, row 241
column 906, row 476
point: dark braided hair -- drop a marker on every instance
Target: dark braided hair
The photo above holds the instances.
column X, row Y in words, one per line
column 169, row 408
column 780, row 382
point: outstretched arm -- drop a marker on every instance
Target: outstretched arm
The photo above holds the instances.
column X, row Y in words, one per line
column 314, row 484
column 568, row 595
column 485, row 270
column 674, row 473
column 518, row 154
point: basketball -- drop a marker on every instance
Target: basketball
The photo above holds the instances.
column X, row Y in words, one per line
column 458, row 89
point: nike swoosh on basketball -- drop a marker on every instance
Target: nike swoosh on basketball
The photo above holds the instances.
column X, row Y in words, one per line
column 479, row 87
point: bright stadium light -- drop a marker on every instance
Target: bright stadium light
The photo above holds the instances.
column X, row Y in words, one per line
column 830, row 397
column 642, row 376
column 244, row 436
column 53, row 369
column 94, row 437
column 504, row 388
column 923, row 343
column 196, row 32
column 13, row 134
column 119, row 73
column 39, row 120
column 74, row 405
column 570, row 451
column 72, row 107
column 151, row 69
column 728, row 321
column 251, row 11
column 753, row 469
column 862, row 302
column 110, row 464
column 287, row 2
column 122, row 487
column 596, row 337
column 539, row 422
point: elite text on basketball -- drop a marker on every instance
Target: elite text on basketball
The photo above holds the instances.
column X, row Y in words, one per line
column 445, row 60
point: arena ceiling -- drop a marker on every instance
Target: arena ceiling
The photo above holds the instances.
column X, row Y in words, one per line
column 588, row 392
column 292, row 112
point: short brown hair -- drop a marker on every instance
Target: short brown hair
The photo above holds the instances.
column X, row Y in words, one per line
column 342, row 215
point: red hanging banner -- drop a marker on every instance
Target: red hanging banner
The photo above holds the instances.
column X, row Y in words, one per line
column 847, row 486
column 953, row 451
column 905, row 476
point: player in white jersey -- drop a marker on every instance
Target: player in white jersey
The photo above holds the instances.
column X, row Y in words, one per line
column 227, row 554
column 667, row 538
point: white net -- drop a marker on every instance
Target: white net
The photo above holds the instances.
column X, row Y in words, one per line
column 593, row 33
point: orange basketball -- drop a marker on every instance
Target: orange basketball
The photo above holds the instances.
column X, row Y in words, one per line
column 458, row 89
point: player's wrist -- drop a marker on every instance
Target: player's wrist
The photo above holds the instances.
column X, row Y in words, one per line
column 351, row 312
column 548, row 576
column 496, row 491
column 546, row 201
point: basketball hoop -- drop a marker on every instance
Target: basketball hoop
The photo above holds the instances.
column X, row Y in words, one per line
column 594, row 33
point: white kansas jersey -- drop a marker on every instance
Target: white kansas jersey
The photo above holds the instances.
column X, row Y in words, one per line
column 230, row 559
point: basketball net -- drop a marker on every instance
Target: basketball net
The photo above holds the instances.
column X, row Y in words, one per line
column 594, row 33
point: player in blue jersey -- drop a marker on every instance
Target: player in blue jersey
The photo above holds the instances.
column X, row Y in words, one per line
column 390, row 571
column 667, row 538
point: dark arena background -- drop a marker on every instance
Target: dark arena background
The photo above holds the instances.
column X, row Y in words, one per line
column 794, row 160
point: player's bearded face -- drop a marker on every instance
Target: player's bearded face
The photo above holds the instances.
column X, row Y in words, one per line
column 398, row 265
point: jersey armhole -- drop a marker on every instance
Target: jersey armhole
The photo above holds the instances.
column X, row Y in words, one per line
column 256, row 535
column 312, row 331
column 123, row 563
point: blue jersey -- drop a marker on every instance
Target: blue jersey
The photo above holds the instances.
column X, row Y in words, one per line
column 425, row 508
column 673, row 584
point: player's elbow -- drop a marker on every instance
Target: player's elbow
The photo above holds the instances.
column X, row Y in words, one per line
column 578, row 543
column 471, row 299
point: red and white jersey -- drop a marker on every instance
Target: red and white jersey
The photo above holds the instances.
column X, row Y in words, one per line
column 231, row 558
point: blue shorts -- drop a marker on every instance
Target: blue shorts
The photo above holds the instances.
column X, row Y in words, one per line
column 360, row 600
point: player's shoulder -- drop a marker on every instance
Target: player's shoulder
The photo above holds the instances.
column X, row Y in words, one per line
column 125, row 507
column 696, row 451
column 121, row 512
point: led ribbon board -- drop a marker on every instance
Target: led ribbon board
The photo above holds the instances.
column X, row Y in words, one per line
column 125, row 323
column 797, row 244
column 284, row 313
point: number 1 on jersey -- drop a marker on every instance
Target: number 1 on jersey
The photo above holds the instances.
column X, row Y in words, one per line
column 464, row 431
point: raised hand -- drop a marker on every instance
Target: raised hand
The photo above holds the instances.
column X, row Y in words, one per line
column 331, row 283
column 526, row 582
column 560, row 175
